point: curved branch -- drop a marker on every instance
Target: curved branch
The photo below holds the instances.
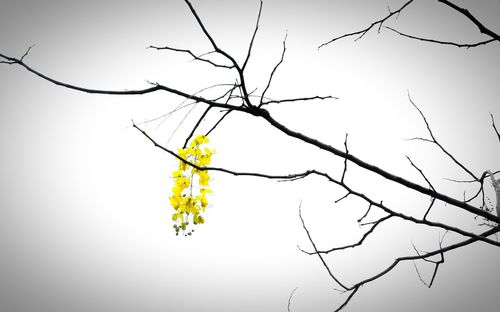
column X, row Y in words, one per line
column 195, row 57
column 441, row 251
column 359, row 243
column 426, row 255
column 458, row 45
column 439, row 144
column 319, row 254
column 362, row 32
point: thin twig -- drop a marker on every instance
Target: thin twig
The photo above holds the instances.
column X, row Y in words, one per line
column 439, row 144
column 274, row 71
column 290, row 298
column 494, row 127
column 253, row 38
column 458, row 45
column 316, row 250
column 362, row 32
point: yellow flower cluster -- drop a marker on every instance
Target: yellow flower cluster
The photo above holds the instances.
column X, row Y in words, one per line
column 187, row 200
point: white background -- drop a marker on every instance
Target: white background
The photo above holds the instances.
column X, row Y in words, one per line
column 84, row 210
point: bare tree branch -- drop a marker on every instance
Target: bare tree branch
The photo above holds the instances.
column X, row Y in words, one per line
column 345, row 159
column 362, row 32
column 298, row 99
column 358, row 243
column 253, row 38
column 439, row 144
column 494, row 127
column 366, row 213
column 441, row 251
column 223, row 53
column 483, row 29
column 319, row 254
column 226, row 103
column 433, row 199
column 274, row 71
column 458, row 45
column 195, row 57
column 421, row 173
column 290, row 298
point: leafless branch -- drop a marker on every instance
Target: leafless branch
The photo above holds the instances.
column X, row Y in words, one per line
column 261, row 112
column 366, row 214
column 225, row 103
column 274, row 71
column 228, row 93
column 483, row 29
column 253, row 38
column 319, row 254
column 223, row 53
column 298, row 99
column 362, row 32
column 345, row 159
column 429, row 209
column 439, row 144
column 436, row 265
column 440, row 251
column 195, row 57
column 421, row 173
column 358, row 243
column 458, row 45
column 290, row 298
column 348, row 299
column 218, row 122
column 494, row 127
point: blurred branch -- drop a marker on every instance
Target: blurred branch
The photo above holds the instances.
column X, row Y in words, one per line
column 494, row 127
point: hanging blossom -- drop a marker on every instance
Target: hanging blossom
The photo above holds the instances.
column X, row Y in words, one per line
column 189, row 198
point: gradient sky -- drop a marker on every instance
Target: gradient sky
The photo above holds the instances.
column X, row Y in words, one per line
column 85, row 221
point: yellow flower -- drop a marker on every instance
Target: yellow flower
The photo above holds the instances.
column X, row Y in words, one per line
column 204, row 177
column 186, row 201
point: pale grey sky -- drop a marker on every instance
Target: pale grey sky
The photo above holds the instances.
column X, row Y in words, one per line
column 85, row 221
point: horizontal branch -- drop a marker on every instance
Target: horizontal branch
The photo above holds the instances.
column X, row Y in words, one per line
column 340, row 183
column 193, row 55
column 359, row 243
column 363, row 31
column 317, row 97
column 261, row 112
column 427, row 255
column 458, row 45
column 441, row 251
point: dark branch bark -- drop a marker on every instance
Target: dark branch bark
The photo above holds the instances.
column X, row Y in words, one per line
column 253, row 38
column 439, row 144
column 458, row 45
column 362, row 32
column 411, row 185
column 198, row 58
column 483, row 29
column 273, row 72
column 319, row 254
